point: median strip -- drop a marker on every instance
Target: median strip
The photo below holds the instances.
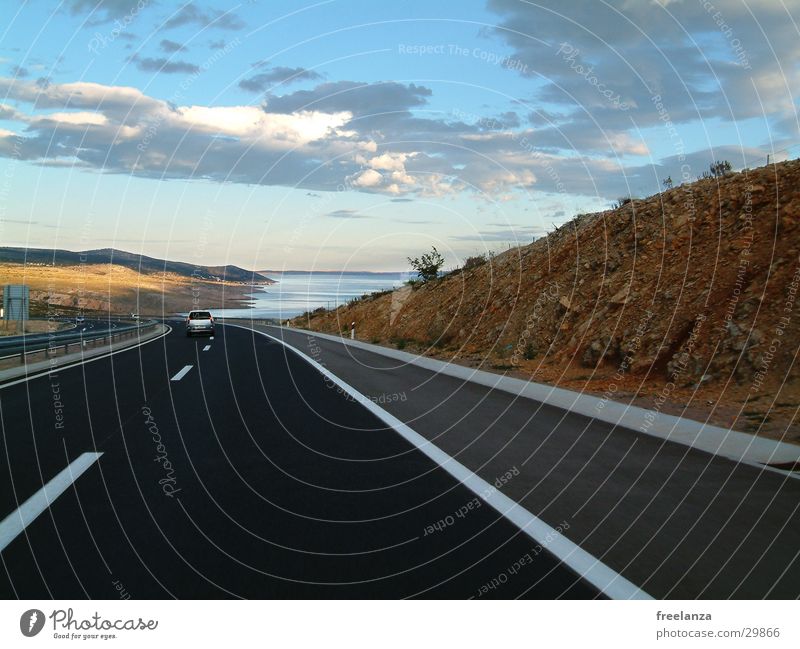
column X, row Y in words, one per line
column 17, row 521
column 182, row 373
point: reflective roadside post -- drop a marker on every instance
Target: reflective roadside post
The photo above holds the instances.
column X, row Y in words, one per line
column 353, row 330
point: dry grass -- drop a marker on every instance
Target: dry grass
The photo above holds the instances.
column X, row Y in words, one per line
column 115, row 289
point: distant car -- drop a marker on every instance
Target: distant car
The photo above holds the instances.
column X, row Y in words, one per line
column 199, row 322
column 79, row 319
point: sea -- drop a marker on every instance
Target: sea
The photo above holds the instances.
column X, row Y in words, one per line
column 296, row 292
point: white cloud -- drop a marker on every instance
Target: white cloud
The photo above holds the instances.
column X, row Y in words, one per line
column 78, row 118
column 727, row 59
column 367, row 136
column 368, row 178
column 252, row 123
column 390, row 161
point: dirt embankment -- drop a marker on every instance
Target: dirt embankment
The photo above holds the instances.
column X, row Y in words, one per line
column 685, row 302
column 116, row 289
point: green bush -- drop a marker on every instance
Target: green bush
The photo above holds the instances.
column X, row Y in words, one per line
column 427, row 265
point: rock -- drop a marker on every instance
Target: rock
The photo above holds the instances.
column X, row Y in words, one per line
column 622, row 296
column 593, row 354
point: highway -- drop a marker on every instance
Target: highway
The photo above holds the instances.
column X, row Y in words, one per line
column 231, row 467
column 236, row 467
column 677, row 522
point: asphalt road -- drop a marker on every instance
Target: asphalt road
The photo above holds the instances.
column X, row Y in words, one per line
column 677, row 522
column 247, row 477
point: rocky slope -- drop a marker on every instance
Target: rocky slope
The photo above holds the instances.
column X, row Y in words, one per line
column 685, row 302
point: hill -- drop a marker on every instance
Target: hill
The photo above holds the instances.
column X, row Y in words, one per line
column 683, row 302
column 133, row 261
column 115, row 281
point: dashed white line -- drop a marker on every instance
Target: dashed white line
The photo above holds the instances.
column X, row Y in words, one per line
column 206, row 348
column 182, row 373
column 17, row 521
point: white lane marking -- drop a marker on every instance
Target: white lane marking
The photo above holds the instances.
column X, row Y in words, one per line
column 605, row 579
column 182, row 373
column 734, row 445
column 211, row 337
column 17, row 521
column 206, row 348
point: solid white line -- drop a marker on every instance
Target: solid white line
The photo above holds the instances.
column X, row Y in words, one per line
column 182, row 373
column 91, row 359
column 13, row 524
column 722, row 442
column 591, row 569
column 206, row 348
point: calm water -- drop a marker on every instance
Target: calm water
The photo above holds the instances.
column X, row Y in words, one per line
column 296, row 293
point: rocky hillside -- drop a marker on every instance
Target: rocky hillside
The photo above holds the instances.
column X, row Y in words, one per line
column 685, row 302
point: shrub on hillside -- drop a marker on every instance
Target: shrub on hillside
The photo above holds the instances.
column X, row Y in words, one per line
column 622, row 201
column 718, row 169
column 474, row 261
column 428, row 264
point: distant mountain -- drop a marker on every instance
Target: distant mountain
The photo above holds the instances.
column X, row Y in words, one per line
column 133, row 261
column 388, row 273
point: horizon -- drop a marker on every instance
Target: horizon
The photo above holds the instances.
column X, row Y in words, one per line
column 183, row 261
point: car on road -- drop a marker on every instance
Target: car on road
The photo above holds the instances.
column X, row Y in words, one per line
column 199, row 322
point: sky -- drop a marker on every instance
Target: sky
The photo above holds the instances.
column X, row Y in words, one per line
column 349, row 135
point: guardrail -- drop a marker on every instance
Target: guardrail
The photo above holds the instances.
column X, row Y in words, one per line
column 22, row 346
column 274, row 322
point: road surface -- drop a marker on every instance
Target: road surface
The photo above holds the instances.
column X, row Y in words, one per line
column 226, row 468
column 677, row 522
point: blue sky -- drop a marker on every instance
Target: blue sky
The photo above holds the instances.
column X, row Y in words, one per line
column 350, row 134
